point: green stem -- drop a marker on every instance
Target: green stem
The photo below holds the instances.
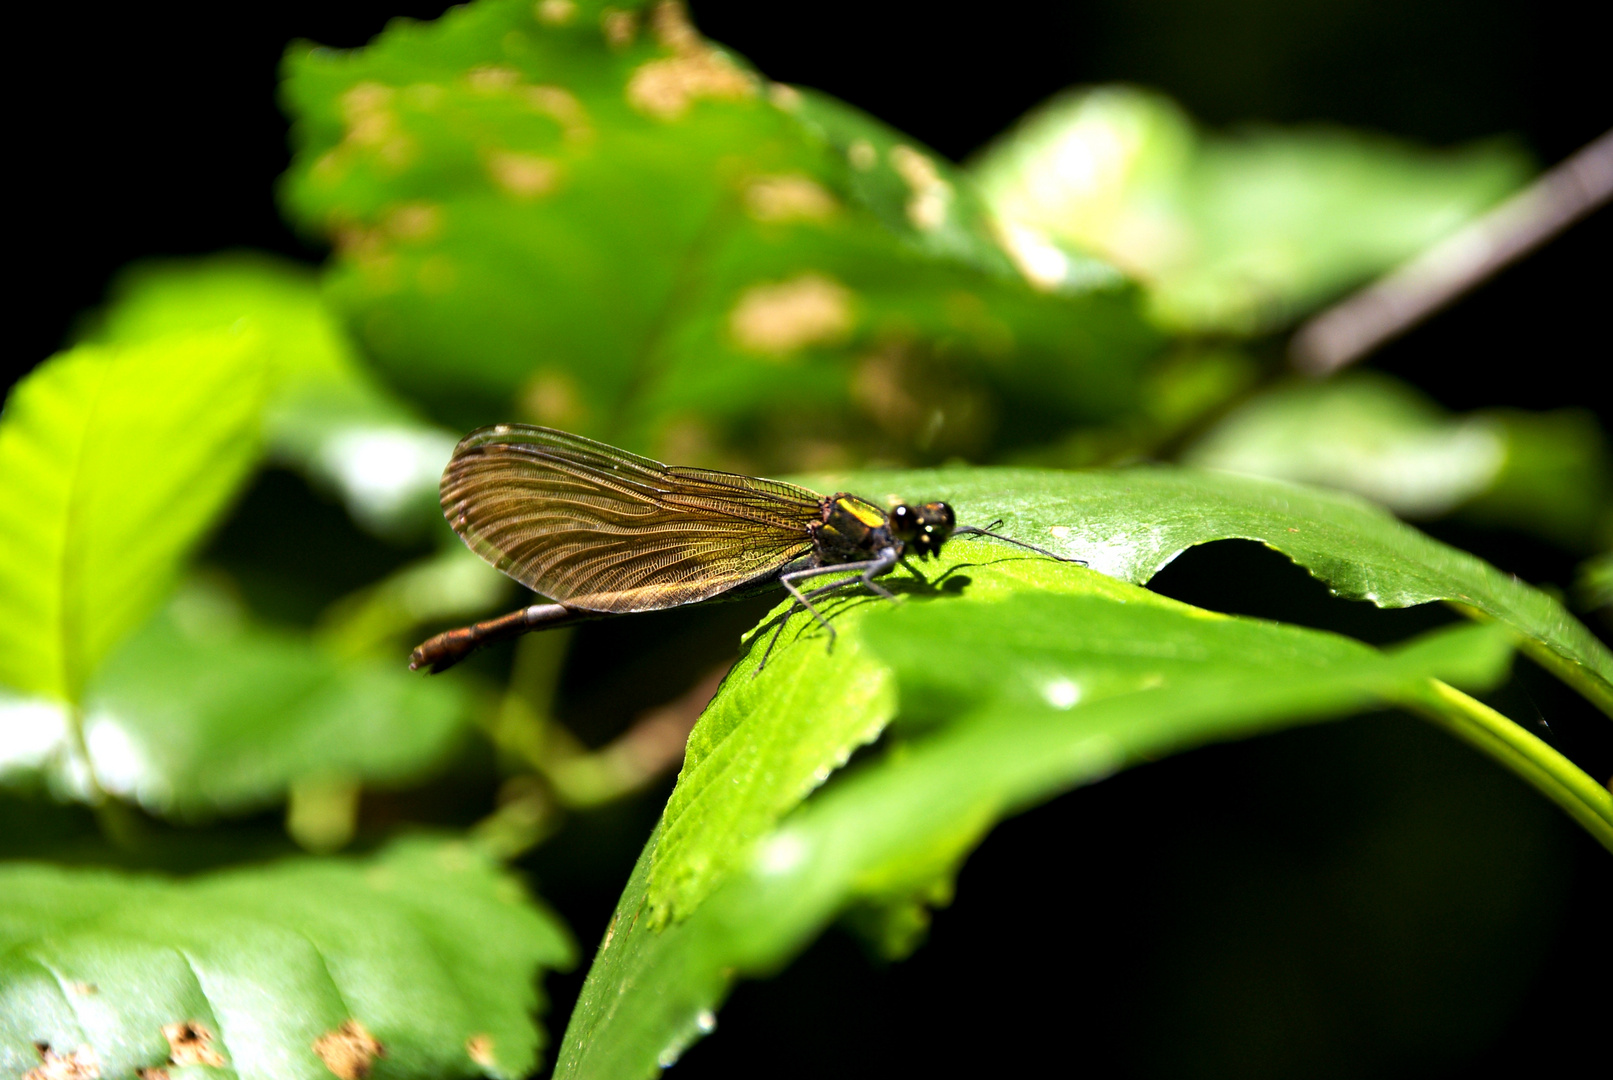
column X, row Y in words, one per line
column 79, row 747
column 1503, row 739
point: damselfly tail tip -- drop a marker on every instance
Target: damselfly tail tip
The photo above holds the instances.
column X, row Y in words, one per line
column 434, row 655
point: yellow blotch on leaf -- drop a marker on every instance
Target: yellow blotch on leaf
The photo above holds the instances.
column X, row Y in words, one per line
column 479, row 1048
column 619, row 27
column 788, row 198
column 665, row 88
column 492, row 78
column 553, row 398
column 526, row 176
column 372, row 124
column 777, row 319
column 349, row 1051
column 190, row 1042
column 561, row 106
column 930, row 194
column 554, row 12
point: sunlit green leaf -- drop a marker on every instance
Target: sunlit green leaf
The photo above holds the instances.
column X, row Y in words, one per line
column 1238, row 232
column 201, row 713
column 1045, row 692
column 768, row 739
column 326, row 415
column 426, row 949
column 765, row 742
column 113, row 462
column 596, row 219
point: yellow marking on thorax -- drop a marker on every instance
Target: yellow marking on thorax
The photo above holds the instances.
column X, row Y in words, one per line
column 864, row 513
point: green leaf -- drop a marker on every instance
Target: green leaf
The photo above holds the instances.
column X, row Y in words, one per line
column 202, row 713
column 765, row 742
column 326, row 415
column 769, row 739
column 1237, row 233
column 1595, row 582
column 113, row 463
column 1129, row 523
column 430, row 949
column 597, row 219
column 1546, row 473
column 1044, row 692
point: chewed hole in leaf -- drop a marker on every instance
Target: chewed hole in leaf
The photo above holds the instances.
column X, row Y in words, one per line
column 349, row 1051
column 190, row 1042
column 479, row 1048
column 81, row 1064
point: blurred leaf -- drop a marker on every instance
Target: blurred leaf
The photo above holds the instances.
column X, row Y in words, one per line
column 1188, row 389
column 592, row 216
column 201, row 713
column 1365, row 433
column 764, row 743
column 287, row 970
column 326, row 414
column 1557, row 481
column 1238, row 233
column 1377, row 437
column 1047, row 692
column 1595, row 582
column 113, row 462
column 453, row 584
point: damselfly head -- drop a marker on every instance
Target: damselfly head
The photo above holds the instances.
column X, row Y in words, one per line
column 924, row 528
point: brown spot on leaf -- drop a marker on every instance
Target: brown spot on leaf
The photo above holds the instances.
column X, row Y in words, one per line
column 619, row 27
column 349, row 1051
column 862, row 155
column 784, row 96
column 561, row 106
column 480, row 1049
column 190, row 1042
column 666, row 88
column 526, row 176
column 778, row 319
column 416, row 221
column 927, row 205
column 554, row 12
column 492, row 78
column 83, row 989
column 552, row 398
column 81, row 1064
column 151, row 1072
column 788, row 198
column 372, row 124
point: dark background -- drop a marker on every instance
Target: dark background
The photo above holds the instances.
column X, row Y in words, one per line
column 1367, row 899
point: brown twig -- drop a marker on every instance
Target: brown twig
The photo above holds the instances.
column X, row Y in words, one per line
column 1360, row 323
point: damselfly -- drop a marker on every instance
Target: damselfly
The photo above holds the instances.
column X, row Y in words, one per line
column 601, row 532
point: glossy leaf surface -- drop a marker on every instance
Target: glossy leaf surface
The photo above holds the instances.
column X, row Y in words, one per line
column 419, row 962
column 767, row 741
column 1011, row 701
